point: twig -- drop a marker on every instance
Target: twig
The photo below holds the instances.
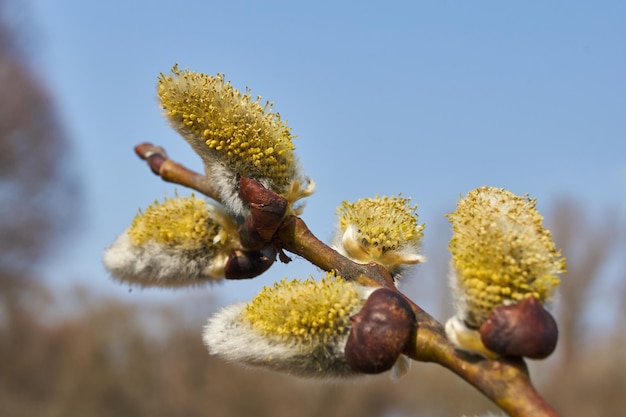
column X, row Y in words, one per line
column 505, row 381
column 296, row 237
column 170, row 171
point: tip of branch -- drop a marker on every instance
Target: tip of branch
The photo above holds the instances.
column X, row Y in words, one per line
column 154, row 155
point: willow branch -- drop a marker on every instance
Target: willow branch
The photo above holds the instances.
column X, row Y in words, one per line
column 504, row 381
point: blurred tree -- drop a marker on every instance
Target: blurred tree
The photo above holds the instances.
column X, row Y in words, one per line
column 588, row 248
column 589, row 364
column 37, row 194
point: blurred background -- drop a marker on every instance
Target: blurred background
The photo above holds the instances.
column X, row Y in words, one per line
column 427, row 99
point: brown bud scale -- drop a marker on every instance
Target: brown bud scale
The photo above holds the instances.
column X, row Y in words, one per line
column 380, row 332
column 267, row 208
column 243, row 264
column 522, row 329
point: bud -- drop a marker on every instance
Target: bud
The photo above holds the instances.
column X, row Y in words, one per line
column 180, row 242
column 243, row 264
column 521, row 329
column 501, row 255
column 234, row 135
column 267, row 210
column 380, row 332
column 298, row 327
column 382, row 230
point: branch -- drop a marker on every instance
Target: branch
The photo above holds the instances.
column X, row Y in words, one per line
column 505, row 381
column 296, row 237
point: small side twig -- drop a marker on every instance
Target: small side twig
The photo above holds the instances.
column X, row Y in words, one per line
column 170, row 171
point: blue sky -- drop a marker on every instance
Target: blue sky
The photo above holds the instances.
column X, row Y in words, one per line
column 430, row 99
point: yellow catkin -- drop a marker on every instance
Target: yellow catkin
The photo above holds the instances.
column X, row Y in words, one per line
column 182, row 222
column 219, row 120
column 384, row 223
column 501, row 252
column 306, row 313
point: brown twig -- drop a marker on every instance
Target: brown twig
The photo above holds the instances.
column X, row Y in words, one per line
column 170, row 171
column 504, row 381
column 296, row 237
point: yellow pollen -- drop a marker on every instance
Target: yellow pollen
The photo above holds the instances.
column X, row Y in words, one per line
column 305, row 312
column 182, row 222
column 384, row 223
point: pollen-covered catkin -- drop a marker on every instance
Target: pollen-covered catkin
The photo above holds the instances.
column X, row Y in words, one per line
column 234, row 134
column 298, row 327
column 384, row 230
column 181, row 241
column 501, row 255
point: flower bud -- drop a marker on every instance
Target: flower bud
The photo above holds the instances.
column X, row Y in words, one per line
column 501, row 256
column 267, row 210
column 380, row 332
column 243, row 264
column 298, row 327
column 382, row 230
column 181, row 242
column 234, row 134
column 317, row 329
